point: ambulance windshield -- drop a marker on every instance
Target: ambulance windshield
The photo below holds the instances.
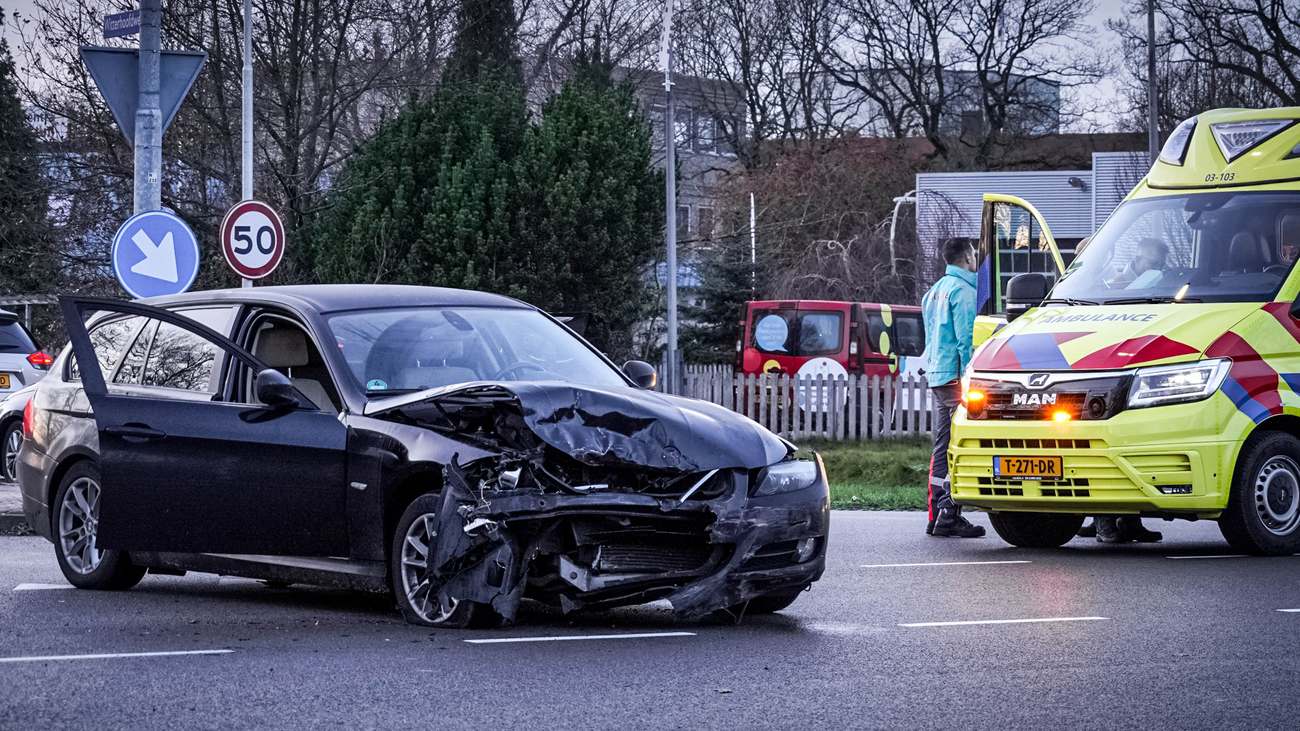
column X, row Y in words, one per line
column 1199, row 247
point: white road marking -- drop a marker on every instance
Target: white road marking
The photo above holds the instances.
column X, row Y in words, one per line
column 1035, row 620
column 938, row 563
column 571, row 638
column 1290, row 611
column 42, row 587
column 111, row 655
column 1221, row 555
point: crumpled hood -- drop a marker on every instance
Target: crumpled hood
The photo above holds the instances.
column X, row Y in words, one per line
column 624, row 426
column 1107, row 337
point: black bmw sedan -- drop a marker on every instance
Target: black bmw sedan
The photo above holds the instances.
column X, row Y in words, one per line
column 464, row 450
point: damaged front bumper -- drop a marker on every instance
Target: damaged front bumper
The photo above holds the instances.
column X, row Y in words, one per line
column 705, row 550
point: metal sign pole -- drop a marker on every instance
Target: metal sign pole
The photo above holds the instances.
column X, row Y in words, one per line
column 148, row 115
column 246, row 175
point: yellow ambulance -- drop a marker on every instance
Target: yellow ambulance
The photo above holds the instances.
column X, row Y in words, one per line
column 1159, row 375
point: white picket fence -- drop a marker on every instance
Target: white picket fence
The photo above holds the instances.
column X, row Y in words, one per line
column 855, row 408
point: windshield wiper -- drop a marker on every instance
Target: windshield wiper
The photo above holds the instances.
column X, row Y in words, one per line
column 1155, row 300
column 1068, row 301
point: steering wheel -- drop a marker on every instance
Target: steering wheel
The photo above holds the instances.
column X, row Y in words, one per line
column 518, row 365
column 1278, row 269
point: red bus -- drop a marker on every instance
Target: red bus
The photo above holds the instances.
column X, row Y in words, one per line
column 835, row 338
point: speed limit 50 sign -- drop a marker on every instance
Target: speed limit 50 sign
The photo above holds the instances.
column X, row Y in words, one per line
column 252, row 238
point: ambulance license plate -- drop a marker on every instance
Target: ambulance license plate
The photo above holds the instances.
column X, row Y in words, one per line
column 1029, row 468
column 4, row 381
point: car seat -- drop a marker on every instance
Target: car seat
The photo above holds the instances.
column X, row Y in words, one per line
column 285, row 348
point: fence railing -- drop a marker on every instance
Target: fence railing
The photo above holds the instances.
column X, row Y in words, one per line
column 849, row 408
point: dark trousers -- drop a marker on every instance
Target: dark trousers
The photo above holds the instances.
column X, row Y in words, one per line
column 946, row 398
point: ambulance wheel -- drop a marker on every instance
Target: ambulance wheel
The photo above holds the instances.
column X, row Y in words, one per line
column 1263, row 514
column 1036, row 530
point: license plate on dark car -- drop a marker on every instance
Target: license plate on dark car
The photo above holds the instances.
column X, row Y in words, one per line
column 1029, row 468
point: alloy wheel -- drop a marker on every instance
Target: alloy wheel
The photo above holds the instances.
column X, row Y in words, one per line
column 13, row 442
column 1277, row 495
column 78, row 524
column 417, row 544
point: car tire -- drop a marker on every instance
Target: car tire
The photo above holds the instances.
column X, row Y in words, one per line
column 1263, row 513
column 768, row 603
column 1036, row 530
column 418, row 523
column 11, row 438
column 82, row 564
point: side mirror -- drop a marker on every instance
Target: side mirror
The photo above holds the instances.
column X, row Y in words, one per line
column 642, row 374
column 273, row 388
column 1026, row 291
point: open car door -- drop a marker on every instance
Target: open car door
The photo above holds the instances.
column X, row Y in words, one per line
column 190, row 461
column 1014, row 239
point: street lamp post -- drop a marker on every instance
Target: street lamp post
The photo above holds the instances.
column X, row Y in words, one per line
column 148, row 115
column 1153, row 132
column 670, row 195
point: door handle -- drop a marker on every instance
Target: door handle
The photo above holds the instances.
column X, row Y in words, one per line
column 137, row 433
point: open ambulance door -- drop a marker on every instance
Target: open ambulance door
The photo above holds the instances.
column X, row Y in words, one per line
column 1014, row 239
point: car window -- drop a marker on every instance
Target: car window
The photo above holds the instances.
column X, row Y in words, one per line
column 109, row 340
column 819, row 332
column 180, row 359
column 909, row 334
column 133, row 361
column 875, row 328
column 14, row 339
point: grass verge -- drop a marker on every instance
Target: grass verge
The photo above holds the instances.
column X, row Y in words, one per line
column 886, row 474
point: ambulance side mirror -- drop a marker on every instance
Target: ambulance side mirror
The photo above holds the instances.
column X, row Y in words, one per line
column 1026, row 291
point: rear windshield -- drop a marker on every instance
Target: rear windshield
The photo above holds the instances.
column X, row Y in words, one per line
column 798, row 332
column 14, row 339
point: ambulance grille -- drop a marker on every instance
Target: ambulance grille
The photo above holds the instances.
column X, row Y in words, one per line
column 1035, row 444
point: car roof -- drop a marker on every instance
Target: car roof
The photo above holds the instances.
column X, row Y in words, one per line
column 341, row 297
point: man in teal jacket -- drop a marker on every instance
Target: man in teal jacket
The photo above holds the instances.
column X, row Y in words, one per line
column 949, row 312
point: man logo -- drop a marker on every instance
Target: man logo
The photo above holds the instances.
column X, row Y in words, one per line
column 1033, row 399
column 1038, row 380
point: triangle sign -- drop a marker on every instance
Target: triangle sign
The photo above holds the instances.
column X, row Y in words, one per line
column 116, row 72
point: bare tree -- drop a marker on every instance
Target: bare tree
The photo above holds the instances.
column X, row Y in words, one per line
column 1211, row 54
column 1019, row 50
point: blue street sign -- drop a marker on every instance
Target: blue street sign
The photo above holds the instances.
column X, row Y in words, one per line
column 116, row 72
column 155, row 254
column 122, row 24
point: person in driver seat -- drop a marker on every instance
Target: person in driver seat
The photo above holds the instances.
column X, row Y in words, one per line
column 1146, row 267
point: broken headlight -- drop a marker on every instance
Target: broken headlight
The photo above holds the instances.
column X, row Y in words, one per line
column 795, row 474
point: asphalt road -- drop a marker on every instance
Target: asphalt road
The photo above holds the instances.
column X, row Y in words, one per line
column 1136, row 639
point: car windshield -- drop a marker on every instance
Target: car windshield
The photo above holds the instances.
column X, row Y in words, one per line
column 1200, row 247
column 411, row 349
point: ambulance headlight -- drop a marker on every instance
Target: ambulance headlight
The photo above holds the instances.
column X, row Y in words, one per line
column 1177, row 383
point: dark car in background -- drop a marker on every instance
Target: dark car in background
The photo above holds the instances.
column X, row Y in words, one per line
column 462, row 449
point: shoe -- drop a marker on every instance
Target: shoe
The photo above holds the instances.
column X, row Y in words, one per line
column 929, row 527
column 957, row 527
column 1133, row 530
column 1089, row 530
column 1108, row 531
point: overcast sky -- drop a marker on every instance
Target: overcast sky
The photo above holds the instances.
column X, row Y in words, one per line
column 1104, row 10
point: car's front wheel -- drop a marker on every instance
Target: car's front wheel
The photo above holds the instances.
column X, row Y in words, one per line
column 1036, row 530
column 413, row 543
column 11, row 440
column 76, row 524
column 1263, row 514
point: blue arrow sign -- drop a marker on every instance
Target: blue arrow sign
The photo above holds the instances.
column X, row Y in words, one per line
column 155, row 254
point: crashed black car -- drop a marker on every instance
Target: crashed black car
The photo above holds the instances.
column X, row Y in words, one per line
column 462, row 449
